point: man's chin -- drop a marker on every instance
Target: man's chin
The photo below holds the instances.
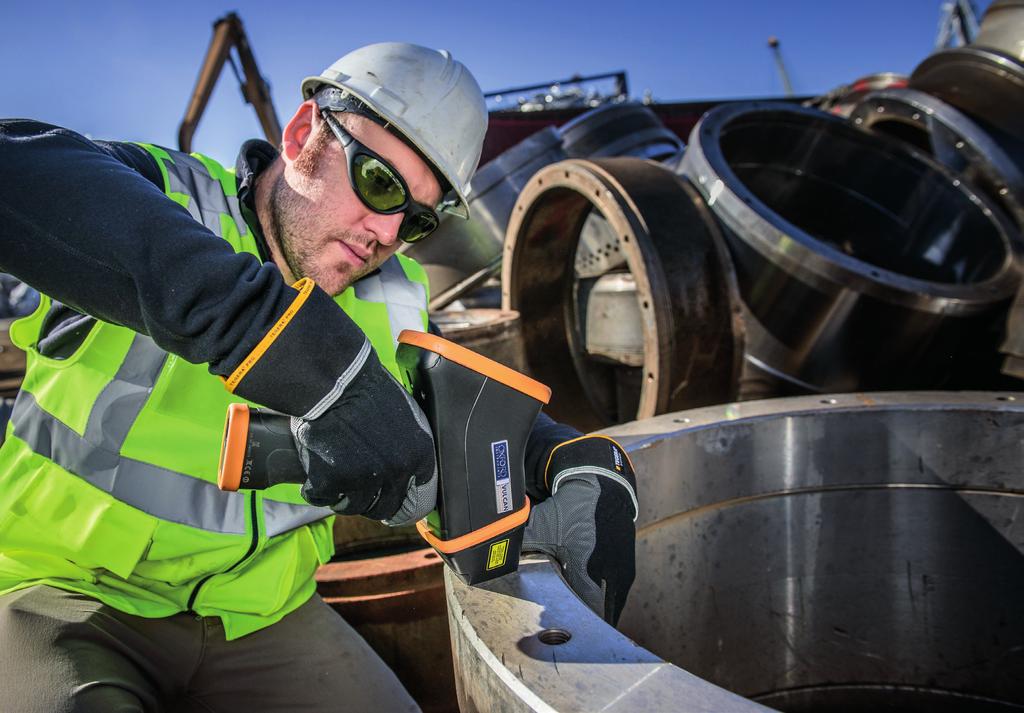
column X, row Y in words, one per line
column 337, row 281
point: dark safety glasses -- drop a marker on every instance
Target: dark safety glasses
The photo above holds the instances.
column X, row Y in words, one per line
column 380, row 187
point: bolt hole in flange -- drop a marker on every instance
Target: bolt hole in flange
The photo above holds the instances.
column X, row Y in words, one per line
column 649, row 326
column 554, row 637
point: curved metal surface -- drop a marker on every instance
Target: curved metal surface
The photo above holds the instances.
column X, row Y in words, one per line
column 461, row 248
column 619, row 130
column 844, row 242
column 836, row 553
column 986, row 83
column 692, row 336
column 841, row 100
column 948, row 136
column 1002, row 28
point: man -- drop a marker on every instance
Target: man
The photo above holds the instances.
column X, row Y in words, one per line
column 128, row 581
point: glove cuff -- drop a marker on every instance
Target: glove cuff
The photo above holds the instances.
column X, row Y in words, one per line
column 595, row 450
column 588, row 457
column 298, row 364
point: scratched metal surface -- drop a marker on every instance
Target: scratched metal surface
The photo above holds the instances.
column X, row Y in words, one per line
column 814, row 553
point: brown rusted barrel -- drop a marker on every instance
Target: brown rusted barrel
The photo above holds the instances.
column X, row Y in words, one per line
column 495, row 333
column 361, row 536
column 397, row 603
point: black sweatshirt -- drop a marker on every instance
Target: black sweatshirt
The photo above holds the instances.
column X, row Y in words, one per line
column 88, row 223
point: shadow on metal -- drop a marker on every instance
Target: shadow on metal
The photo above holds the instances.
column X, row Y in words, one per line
column 840, row 553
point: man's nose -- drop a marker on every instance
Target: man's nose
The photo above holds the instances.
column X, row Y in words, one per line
column 383, row 227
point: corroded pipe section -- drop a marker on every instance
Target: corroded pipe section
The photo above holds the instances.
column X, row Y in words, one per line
column 840, row 553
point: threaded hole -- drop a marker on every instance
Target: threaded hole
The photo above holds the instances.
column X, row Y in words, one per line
column 554, row 637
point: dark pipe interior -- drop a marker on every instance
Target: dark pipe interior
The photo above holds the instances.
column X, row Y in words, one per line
column 863, row 196
column 906, row 131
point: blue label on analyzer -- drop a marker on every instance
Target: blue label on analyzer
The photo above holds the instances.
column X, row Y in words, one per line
column 502, row 476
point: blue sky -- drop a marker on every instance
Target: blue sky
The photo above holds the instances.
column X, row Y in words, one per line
column 125, row 70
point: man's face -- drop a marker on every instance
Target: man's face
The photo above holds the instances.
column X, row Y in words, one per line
column 319, row 227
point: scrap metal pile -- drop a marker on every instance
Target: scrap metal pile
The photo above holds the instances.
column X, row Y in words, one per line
column 833, row 550
column 870, row 241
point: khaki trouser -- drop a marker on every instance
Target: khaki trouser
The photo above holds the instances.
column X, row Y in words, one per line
column 63, row 652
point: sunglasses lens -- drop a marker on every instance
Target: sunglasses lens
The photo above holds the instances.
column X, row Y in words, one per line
column 417, row 226
column 377, row 184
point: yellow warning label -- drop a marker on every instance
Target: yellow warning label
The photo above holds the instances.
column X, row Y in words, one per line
column 496, row 554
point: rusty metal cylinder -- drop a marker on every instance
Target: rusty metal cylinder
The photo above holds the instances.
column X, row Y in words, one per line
column 653, row 225
column 495, row 333
column 396, row 602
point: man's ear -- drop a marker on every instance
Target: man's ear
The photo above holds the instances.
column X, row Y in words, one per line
column 298, row 130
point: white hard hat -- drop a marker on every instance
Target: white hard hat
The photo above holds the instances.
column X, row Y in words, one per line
column 430, row 98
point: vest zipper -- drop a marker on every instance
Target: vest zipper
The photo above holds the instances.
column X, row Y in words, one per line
column 248, row 553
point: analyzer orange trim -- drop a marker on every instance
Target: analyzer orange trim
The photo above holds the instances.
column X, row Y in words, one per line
column 232, row 448
column 464, row 542
column 477, row 362
column 305, row 287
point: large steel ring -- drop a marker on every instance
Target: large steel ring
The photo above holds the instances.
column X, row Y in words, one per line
column 951, row 138
column 686, row 300
column 863, row 264
column 844, row 553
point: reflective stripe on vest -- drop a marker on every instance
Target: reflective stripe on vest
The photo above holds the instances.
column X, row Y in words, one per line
column 166, row 494
column 403, row 298
column 189, row 176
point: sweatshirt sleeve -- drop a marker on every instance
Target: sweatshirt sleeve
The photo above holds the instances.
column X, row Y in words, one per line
column 86, row 223
column 545, row 435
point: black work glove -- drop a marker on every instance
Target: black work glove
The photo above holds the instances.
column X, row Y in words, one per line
column 587, row 524
column 363, row 441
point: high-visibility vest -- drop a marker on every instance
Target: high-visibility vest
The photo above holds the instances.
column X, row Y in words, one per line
column 108, row 470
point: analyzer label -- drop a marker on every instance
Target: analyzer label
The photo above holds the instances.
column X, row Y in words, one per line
column 502, row 476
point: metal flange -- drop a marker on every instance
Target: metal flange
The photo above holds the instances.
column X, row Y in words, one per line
column 687, row 300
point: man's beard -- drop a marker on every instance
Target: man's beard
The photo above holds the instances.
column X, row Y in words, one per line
column 296, row 260
column 300, row 253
